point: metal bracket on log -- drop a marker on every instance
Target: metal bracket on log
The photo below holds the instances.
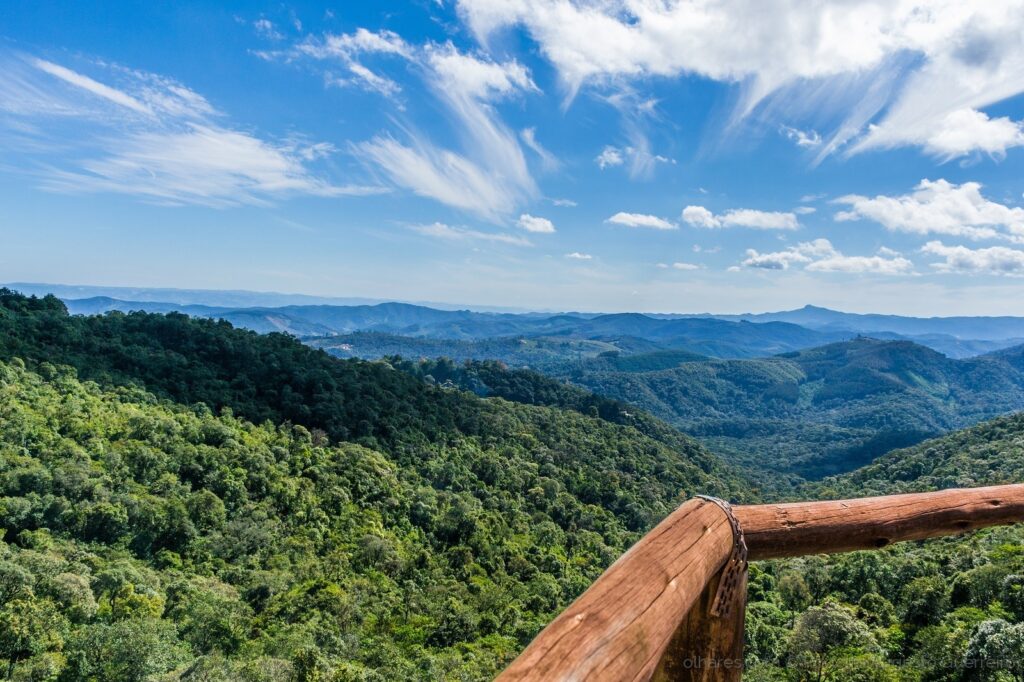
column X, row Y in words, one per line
column 735, row 567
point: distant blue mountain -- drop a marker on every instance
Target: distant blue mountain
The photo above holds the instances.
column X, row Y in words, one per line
column 727, row 336
column 962, row 327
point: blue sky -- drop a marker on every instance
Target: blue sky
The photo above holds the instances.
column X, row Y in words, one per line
column 551, row 154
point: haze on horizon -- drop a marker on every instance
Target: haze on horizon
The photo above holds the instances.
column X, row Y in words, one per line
column 541, row 154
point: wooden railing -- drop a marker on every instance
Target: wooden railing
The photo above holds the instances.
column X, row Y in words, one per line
column 672, row 607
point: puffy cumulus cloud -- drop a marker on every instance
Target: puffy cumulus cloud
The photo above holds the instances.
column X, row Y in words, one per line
column 699, row 216
column 640, row 220
column 576, row 255
column 534, row 224
column 449, row 233
column 820, row 256
column 939, row 207
column 957, row 133
column 145, row 135
column 904, row 64
column 995, row 260
column 466, row 75
column 609, row 157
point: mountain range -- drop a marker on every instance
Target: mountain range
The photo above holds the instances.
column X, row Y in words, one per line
column 718, row 336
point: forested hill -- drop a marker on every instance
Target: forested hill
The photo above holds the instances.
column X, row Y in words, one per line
column 944, row 610
column 991, row 453
column 266, row 377
column 371, row 524
column 824, row 410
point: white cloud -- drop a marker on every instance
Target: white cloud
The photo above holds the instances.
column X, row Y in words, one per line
column 200, row 165
column 490, row 176
column 609, row 157
column 471, row 77
column 576, row 255
column 804, row 210
column 487, row 173
column 153, row 138
column 533, row 224
column 995, row 260
column 441, row 175
column 904, row 64
column 641, row 220
column 348, row 46
column 447, row 232
column 565, row 203
column 366, row 79
column 548, row 160
column 760, row 220
column 699, row 216
column 820, row 256
column 859, row 264
column 638, row 155
column 958, row 133
column 266, row 29
column 92, row 86
column 685, row 266
column 939, row 207
column 802, row 138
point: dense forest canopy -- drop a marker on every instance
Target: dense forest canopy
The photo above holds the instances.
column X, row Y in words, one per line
column 182, row 500
column 397, row 529
column 800, row 415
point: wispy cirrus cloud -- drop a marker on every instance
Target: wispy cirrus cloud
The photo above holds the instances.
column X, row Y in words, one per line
column 680, row 265
column 486, row 175
column 450, row 233
column 898, row 77
column 141, row 134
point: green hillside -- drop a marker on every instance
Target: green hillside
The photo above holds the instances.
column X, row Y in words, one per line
column 950, row 609
column 369, row 524
column 988, row 454
column 824, row 410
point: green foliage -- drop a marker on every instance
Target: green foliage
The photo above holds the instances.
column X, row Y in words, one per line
column 950, row 609
column 367, row 525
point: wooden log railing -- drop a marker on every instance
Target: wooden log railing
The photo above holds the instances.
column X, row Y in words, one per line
column 657, row 613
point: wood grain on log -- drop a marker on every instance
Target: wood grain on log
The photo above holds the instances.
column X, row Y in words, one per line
column 660, row 591
column 799, row 528
column 705, row 647
column 619, row 628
